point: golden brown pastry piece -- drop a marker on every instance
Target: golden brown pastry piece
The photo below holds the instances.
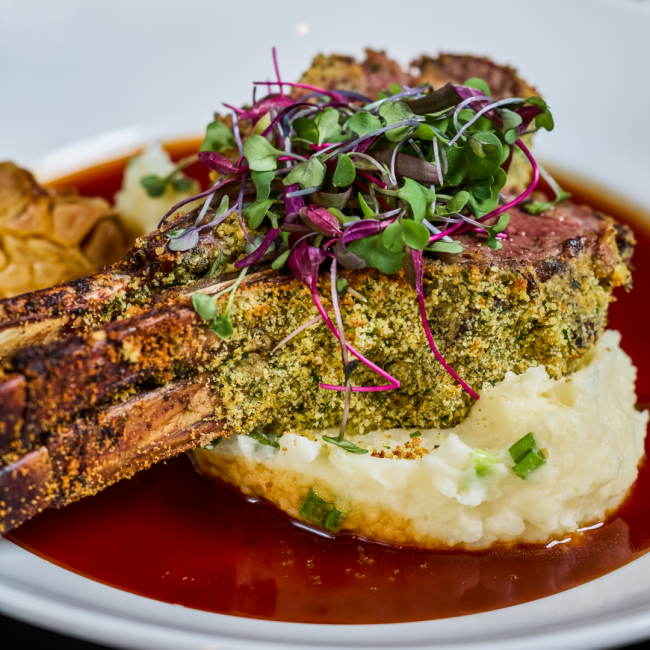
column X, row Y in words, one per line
column 49, row 237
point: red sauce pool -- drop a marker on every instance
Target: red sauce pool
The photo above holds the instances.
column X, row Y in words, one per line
column 172, row 535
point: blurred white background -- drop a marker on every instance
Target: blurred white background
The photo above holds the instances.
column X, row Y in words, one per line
column 73, row 69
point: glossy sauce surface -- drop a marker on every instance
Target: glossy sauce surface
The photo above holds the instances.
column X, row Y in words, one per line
column 172, row 535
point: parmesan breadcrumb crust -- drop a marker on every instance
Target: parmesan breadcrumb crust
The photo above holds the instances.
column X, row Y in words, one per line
column 486, row 320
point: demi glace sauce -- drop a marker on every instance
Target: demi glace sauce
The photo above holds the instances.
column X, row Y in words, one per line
column 175, row 536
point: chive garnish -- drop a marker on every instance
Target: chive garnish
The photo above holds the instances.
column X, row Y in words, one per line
column 526, row 455
column 320, row 512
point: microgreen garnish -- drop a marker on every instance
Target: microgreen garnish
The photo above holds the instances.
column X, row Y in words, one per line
column 320, row 512
column 344, row 181
column 155, row 186
column 263, row 438
column 345, row 445
column 526, row 455
column 206, row 307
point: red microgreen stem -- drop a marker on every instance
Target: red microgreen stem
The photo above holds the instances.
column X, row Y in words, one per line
column 322, row 91
column 357, row 389
column 367, row 191
column 180, row 204
column 372, row 179
column 277, row 70
column 434, row 349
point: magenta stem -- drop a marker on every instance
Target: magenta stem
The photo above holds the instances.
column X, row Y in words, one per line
column 277, row 71
column 445, row 365
column 357, row 389
column 372, row 179
column 322, row 91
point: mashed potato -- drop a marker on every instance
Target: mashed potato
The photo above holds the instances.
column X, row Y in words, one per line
column 139, row 211
column 437, row 490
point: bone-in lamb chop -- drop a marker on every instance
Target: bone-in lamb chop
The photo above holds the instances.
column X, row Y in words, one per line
column 109, row 374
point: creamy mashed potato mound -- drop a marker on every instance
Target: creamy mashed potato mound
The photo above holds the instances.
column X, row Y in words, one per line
column 426, row 491
column 140, row 212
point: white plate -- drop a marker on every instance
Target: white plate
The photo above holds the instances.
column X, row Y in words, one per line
column 89, row 69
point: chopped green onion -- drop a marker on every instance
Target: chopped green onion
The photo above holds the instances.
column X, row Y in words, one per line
column 526, row 455
column 320, row 512
column 529, row 463
column 484, row 462
column 415, row 434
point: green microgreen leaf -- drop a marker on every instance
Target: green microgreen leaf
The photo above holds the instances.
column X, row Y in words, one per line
column 395, row 89
column 376, row 255
column 346, row 445
column 223, row 207
column 537, row 207
column 479, row 84
column 342, row 287
column 415, row 235
column 511, row 122
column 484, row 165
column 262, row 182
column 262, row 156
column 415, row 434
column 492, row 231
column 327, row 123
column 320, row 512
column 393, row 113
column 365, row 208
column 392, row 237
column 341, row 217
column 345, row 172
column 416, row 196
column 181, row 183
column 457, row 164
column 484, row 194
column 307, row 174
column 458, row 202
column 281, row 260
column 545, row 120
column 305, row 128
column 263, row 439
column 218, row 137
column 176, row 233
column 451, row 248
column 222, row 259
column 205, row 306
column 184, row 242
column 256, row 212
column 155, row 186
column 364, row 122
column 222, row 326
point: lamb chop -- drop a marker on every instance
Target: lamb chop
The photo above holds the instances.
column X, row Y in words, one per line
column 107, row 375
